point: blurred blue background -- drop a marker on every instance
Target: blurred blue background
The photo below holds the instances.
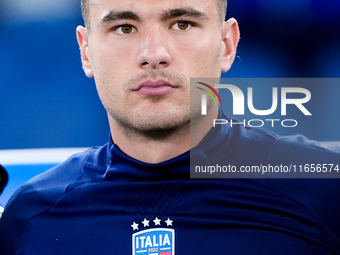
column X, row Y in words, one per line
column 47, row 102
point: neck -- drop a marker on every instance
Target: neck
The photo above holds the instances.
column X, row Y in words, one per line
column 157, row 147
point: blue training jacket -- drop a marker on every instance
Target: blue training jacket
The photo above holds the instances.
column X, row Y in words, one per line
column 104, row 202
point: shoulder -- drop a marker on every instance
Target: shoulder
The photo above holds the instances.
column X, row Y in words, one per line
column 40, row 194
column 313, row 179
column 297, row 149
column 54, row 181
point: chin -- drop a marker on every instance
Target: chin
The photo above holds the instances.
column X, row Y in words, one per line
column 161, row 131
column 162, row 122
column 153, row 125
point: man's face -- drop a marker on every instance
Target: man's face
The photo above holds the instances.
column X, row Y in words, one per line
column 142, row 54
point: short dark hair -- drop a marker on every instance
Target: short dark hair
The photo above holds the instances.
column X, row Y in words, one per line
column 221, row 4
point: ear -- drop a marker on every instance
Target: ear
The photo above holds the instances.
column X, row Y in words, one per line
column 231, row 36
column 82, row 38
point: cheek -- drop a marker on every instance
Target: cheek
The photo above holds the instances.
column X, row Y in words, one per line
column 111, row 72
column 202, row 56
column 108, row 71
column 111, row 57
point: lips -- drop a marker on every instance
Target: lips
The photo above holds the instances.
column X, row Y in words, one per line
column 158, row 88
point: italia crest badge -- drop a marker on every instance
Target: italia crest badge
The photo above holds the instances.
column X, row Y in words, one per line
column 155, row 240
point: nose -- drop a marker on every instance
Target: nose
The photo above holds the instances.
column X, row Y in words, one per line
column 154, row 51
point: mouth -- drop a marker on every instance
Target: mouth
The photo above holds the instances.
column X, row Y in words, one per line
column 158, row 88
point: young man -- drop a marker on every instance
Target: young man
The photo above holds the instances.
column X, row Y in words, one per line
column 134, row 194
column 142, row 55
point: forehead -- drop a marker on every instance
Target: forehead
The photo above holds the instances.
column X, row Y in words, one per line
column 148, row 8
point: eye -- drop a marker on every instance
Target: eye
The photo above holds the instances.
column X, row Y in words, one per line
column 182, row 25
column 125, row 29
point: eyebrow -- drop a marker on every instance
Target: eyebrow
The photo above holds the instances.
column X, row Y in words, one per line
column 119, row 15
column 179, row 12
